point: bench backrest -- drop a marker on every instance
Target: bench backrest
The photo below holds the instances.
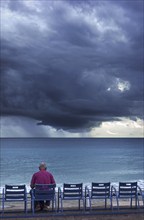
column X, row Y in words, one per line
column 44, row 191
column 72, row 190
column 100, row 189
column 15, row 192
column 127, row 189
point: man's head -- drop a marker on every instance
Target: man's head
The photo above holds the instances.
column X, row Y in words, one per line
column 42, row 166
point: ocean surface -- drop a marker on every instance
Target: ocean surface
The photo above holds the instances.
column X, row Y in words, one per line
column 73, row 160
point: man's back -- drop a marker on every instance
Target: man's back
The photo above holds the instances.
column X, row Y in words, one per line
column 42, row 177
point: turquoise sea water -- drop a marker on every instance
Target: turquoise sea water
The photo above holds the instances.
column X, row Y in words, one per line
column 73, row 160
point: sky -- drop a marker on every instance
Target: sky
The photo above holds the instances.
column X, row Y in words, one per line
column 72, row 68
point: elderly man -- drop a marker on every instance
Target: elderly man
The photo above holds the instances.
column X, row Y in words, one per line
column 42, row 177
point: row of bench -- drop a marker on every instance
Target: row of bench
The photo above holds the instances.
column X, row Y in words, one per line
column 126, row 190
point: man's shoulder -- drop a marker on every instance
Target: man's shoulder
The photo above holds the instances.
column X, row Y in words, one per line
column 36, row 173
column 48, row 173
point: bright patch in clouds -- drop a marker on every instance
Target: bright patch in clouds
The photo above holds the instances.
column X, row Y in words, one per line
column 119, row 85
column 123, row 85
column 123, row 128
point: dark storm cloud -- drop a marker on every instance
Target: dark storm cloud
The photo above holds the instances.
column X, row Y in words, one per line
column 72, row 64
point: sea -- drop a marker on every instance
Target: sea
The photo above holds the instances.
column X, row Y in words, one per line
column 72, row 160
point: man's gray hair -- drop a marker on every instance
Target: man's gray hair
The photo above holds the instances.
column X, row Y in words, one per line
column 42, row 166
